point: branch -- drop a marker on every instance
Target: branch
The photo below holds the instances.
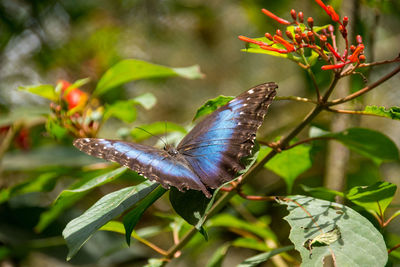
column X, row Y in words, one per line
column 296, row 98
column 365, row 89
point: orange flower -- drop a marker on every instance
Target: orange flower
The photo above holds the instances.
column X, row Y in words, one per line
column 73, row 96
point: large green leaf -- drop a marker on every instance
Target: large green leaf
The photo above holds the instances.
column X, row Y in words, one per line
column 157, row 128
column 392, row 113
column 211, row 105
column 133, row 69
column 146, row 100
column 132, row 218
column 263, row 257
column 358, row 242
column 369, row 143
column 70, row 196
column 45, row 90
column 79, row 230
column 289, row 164
column 375, row 198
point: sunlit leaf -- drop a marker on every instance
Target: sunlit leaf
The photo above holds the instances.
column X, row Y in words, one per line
column 375, row 198
column 211, row 105
column 289, row 164
column 133, row 69
column 70, row 196
column 45, row 90
column 147, row 100
column 79, row 230
column 132, row 218
column 250, row 243
column 359, row 243
column 392, row 113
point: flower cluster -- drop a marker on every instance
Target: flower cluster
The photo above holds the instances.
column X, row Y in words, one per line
column 321, row 40
column 74, row 112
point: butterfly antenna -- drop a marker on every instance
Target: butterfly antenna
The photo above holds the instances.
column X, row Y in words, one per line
column 144, row 130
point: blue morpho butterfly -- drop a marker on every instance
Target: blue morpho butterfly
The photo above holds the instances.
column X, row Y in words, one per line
column 207, row 157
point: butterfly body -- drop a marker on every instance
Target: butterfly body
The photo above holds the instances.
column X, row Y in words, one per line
column 208, row 156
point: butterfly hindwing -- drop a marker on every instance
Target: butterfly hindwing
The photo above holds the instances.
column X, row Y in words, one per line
column 155, row 164
column 215, row 146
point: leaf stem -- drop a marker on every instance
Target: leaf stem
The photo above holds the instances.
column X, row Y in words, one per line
column 393, row 248
column 296, row 98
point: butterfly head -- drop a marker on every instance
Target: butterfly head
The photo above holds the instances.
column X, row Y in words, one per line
column 171, row 150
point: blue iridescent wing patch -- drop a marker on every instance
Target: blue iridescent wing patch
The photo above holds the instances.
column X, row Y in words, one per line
column 208, row 156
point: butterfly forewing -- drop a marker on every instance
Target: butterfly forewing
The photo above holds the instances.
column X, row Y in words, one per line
column 216, row 145
column 155, row 164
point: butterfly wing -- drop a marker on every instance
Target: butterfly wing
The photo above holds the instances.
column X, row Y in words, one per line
column 215, row 146
column 155, row 164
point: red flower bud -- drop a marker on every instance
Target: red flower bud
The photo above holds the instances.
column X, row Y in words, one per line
column 301, row 17
column 298, row 30
column 345, row 21
column 289, row 35
column 333, row 14
column 359, row 39
column 310, row 35
column 269, row 36
column 357, row 52
column 322, row 39
column 289, row 47
column 361, row 58
column 352, row 48
column 279, row 32
column 298, row 38
column 343, row 31
column 331, row 29
column 305, row 37
column 336, row 66
column 293, row 14
column 310, row 22
column 275, row 17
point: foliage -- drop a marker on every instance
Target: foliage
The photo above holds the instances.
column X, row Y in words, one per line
column 46, row 184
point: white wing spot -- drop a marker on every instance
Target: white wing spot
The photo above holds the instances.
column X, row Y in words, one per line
column 248, row 98
column 244, row 105
column 251, row 91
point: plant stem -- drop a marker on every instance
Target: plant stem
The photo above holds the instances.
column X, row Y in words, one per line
column 296, row 98
column 365, row 89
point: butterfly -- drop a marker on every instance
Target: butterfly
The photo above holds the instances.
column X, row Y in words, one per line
column 207, row 157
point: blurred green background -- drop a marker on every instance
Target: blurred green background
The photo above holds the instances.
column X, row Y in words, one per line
column 47, row 40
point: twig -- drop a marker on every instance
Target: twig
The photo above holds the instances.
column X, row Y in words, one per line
column 393, row 248
column 365, row 89
column 353, row 112
column 363, row 65
column 296, row 98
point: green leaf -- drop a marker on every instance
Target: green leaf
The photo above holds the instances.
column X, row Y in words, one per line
column 157, row 128
column 132, row 69
column 147, row 100
column 79, row 230
column 55, row 129
column 211, row 105
column 43, row 183
column 392, row 113
column 375, row 198
column 288, row 164
column 45, row 90
column 263, row 257
column 218, row 257
column 154, row 263
column 230, row 221
column 46, row 156
column 359, row 244
column 322, row 192
column 190, row 205
column 123, row 109
column 250, row 243
column 369, row 143
column 70, row 196
column 132, row 218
